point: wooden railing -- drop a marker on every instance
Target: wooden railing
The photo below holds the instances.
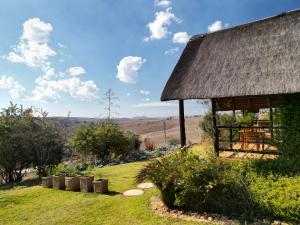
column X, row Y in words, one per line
column 229, row 137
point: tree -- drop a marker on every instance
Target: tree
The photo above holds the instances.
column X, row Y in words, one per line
column 47, row 146
column 110, row 99
column 27, row 141
column 15, row 145
column 83, row 140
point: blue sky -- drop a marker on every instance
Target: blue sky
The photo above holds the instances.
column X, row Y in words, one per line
column 63, row 55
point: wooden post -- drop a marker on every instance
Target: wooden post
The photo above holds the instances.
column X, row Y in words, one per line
column 271, row 122
column 182, row 123
column 230, row 137
column 215, row 130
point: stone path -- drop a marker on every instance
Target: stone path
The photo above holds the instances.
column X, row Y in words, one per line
column 133, row 192
column 139, row 191
column 145, row 185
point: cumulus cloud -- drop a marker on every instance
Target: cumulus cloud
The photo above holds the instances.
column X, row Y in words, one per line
column 172, row 51
column 143, row 92
column 14, row 88
column 52, row 89
column 76, row 71
column 163, row 3
column 153, row 104
column 180, row 38
column 33, row 49
column 159, row 27
column 128, row 69
column 217, row 25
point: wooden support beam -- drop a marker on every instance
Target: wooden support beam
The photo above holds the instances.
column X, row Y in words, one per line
column 271, row 122
column 182, row 123
column 215, row 130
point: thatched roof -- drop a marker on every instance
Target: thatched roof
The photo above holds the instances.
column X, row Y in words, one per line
column 258, row 58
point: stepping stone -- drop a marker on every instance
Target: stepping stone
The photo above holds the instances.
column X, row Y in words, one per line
column 145, row 185
column 133, row 192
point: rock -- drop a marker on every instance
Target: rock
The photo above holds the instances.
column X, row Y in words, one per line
column 210, row 218
column 133, row 192
column 276, row 222
column 145, row 185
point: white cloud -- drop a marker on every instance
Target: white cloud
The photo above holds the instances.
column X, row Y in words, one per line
column 147, row 99
column 33, row 49
column 143, row 92
column 14, row 88
column 162, row 3
column 52, row 89
column 180, row 38
column 159, row 27
column 172, row 51
column 128, row 69
column 76, row 71
column 217, row 25
column 128, row 94
column 153, row 104
column 61, row 45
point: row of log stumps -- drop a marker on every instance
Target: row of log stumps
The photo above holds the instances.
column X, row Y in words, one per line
column 139, row 190
column 84, row 184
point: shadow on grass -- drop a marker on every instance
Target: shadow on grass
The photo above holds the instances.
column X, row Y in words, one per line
column 25, row 183
column 113, row 193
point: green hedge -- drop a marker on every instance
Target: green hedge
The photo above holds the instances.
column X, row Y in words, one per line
column 243, row 189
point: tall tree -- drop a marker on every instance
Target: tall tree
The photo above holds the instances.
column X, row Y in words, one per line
column 110, row 99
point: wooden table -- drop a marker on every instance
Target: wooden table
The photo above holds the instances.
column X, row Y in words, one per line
column 252, row 135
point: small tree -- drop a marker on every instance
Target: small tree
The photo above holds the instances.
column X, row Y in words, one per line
column 110, row 140
column 48, row 146
column 15, row 146
column 83, row 140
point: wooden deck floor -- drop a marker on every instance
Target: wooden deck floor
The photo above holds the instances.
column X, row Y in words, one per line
column 251, row 146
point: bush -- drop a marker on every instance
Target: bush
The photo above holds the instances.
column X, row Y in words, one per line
column 233, row 188
column 134, row 142
column 149, row 145
column 110, row 141
column 104, row 140
column 27, row 141
column 83, row 141
column 287, row 116
column 173, row 141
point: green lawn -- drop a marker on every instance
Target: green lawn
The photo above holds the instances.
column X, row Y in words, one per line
column 31, row 204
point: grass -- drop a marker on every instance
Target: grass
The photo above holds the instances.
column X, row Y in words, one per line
column 28, row 203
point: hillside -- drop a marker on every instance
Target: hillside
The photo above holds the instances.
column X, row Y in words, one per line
column 152, row 128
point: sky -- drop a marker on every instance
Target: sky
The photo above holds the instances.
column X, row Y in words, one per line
column 63, row 55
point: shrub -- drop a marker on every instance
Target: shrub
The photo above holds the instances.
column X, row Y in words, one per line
column 173, row 141
column 110, row 141
column 149, row 144
column 287, row 116
column 105, row 140
column 234, row 188
column 83, row 141
column 133, row 141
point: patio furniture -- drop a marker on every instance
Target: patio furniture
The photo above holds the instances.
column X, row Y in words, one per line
column 252, row 135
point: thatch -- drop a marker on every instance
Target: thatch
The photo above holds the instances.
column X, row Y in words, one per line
column 258, row 58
